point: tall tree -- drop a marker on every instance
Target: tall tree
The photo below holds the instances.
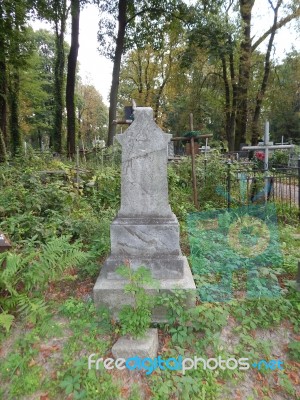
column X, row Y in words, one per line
column 56, row 12
column 267, row 69
column 122, row 6
column 246, row 7
column 235, row 49
column 60, row 18
column 37, row 90
column 3, row 83
column 146, row 73
column 71, row 78
column 92, row 113
column 137, row 20
column 285, row 89
column 217, row 36
column 14, row 50
column 245, row 64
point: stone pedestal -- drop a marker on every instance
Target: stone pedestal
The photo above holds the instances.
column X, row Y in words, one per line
column 146, row 347
column 145, row 231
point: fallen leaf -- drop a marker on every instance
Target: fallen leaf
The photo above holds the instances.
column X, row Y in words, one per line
column 32, row 363
column 125, row 391
column 260, row 393
column 293, row 377
column 54, row 375
column 259, row 376
column 47, row 350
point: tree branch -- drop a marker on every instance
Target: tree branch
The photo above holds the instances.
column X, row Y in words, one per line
column 271, row 4
column 278, row 25
column 229, row 6
column 143, row 12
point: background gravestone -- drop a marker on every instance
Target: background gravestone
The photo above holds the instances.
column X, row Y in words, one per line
column 145, row 231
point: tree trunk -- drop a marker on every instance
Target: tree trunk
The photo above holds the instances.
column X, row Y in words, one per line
column 244, row 73
column 71, row 78
column 3, row 90
column 59, row 80
column 234, row 99
column 230, row 98
column 263, row 88
column 227, row 102
column 157, row 101
column 16, row 140
column 113, row 98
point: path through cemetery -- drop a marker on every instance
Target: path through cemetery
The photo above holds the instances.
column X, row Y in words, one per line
column 289, row 193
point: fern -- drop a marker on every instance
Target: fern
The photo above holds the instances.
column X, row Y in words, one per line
column 25, row 274
column 31, row 308
column 54, row 258
column 6, row 320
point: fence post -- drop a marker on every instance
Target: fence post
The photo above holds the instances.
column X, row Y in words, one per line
column 194, row 179
column 228, row 184
column 298, row 278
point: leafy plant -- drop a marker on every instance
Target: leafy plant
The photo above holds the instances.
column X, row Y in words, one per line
column 294, row 350
column 6, row 320
column 26, row 275
column 85, row 384
column 135, row 319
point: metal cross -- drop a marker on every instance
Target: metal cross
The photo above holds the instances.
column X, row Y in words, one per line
column 268, row 146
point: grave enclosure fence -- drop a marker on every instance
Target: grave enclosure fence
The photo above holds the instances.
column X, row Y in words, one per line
column 241, row 184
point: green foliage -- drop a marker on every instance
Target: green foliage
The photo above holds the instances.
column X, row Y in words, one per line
column 27, row 274
column 36, row 206
column 86, row 384
column 37, row 88
column 196, row 384
column 106, row 190
column 6, row 320
column 261, row 313
column 294, row 350
column 135, row 319
column 211, row 184
column 24, row 379
column 279, row 158
column 180, row 189
column 179, row 316
column 92, row 113
column 186, row 319
column 285, row 120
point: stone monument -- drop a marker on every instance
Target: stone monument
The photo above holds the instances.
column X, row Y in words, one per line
column 145, row 232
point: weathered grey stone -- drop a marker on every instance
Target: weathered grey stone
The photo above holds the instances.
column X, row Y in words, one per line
column 146, row 347
column 171, row 152
column 110, row 292
column 151, row 242
column 160, row 267
column 145, row 231
column 156, row 236
column 144, row 185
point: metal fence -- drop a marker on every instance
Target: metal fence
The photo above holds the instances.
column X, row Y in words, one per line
column 250, row 186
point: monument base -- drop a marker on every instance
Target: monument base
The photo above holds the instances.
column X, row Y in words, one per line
column 152, row 242
column 109, row 293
